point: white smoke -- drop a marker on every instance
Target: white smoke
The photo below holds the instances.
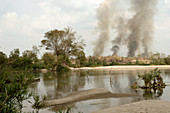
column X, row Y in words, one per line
column 106, row 14
column 135, row 32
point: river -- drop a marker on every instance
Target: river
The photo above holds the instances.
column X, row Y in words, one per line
column 56, row 85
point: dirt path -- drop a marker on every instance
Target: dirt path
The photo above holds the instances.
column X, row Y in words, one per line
column 86, row 95
column 149, row 106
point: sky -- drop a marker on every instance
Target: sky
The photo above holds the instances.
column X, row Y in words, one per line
column 24, row 22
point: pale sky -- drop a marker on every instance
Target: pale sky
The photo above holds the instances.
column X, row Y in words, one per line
column 24, row 22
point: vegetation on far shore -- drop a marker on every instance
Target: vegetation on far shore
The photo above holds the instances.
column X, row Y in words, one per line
column 66, row 49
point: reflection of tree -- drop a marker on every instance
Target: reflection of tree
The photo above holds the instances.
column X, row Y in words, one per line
column 152, row 94
column 59, row 84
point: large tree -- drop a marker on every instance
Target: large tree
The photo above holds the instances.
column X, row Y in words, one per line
column 63, row 42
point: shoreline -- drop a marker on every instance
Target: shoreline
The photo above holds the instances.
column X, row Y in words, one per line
column 146, row 106
column 126, row 67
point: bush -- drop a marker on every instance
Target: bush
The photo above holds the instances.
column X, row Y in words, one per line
column 62, row 68
column 13, row 90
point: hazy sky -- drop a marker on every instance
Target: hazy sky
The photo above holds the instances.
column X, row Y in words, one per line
column 24, row 22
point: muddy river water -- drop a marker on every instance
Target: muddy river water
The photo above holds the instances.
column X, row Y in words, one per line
column 56, row 85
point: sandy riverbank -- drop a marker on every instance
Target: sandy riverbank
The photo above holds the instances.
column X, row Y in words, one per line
column 97, row 93
column 127, row 67
column 149, row 106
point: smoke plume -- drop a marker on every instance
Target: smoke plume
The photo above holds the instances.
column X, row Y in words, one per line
column 105, row 16
column 141, row 26
column 136, row 32
column 121, row 36
column 115, row 49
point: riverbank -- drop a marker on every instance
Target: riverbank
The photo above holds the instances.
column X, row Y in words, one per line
column 90, row 94
column 127, row 67
column 148, row 106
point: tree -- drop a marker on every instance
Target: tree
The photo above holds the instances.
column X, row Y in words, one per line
column 29, row 54
column 81, row 59
column 14, row 59
column 35, row 49
column 49, row 60
column 14, row 54
column 63, row 42
column 3, row 58
column 18, row 62
column 167, row 61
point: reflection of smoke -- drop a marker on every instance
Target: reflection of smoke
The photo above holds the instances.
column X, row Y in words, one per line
column 141, row 26
column 104, row 15
column 136, row 33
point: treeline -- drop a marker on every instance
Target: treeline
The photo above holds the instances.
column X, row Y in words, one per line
column 49, row 60
column 66, row 49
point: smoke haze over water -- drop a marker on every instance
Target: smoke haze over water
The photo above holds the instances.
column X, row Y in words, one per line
column 135, row 32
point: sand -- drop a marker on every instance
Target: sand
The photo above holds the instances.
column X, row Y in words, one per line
column 97, row 93
column 148, row 106
column 127, row 67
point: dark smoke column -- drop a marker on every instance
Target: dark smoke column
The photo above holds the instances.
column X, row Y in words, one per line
column 141, row 27
column 104, row 17
column 122, row 33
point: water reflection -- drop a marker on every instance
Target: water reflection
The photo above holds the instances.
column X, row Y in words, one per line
column 57, row 85
column 152, row 93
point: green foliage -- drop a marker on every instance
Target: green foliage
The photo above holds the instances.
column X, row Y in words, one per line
column 49, row 60
column 30, row 55
column 81, row 59
column 13, row 90
column 151, row 78
column 38, row 103
column 62, row 68
column 92, row 62
column 14, row 54
column 64, row 111
column 114, row 63
column 63, row 60
column 21, row 63
column 167, row 61
column 3, row 58
column 39, row 65
column 159, row 61
column 63, row 42
column 147, row 77
column 62, row 63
